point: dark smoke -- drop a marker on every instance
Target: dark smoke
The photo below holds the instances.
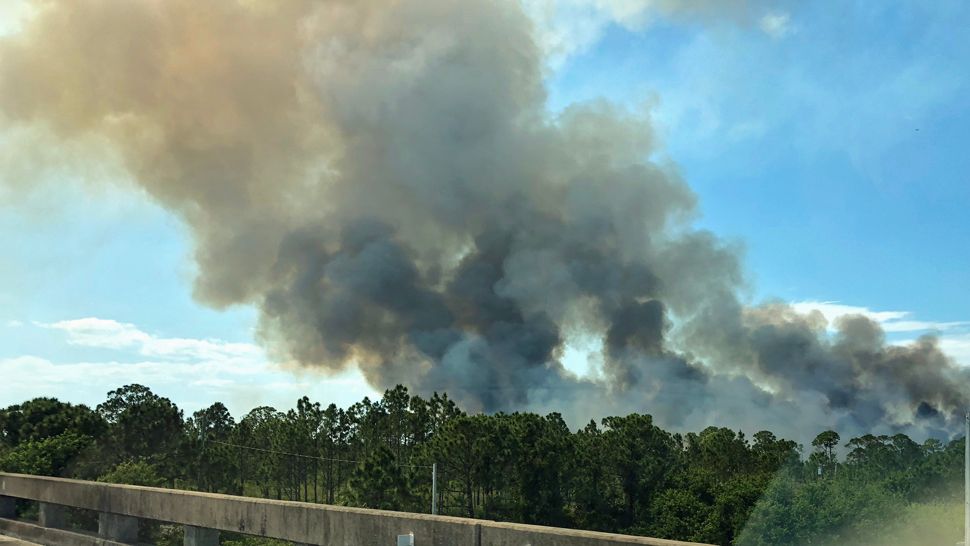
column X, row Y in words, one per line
column 382, row 180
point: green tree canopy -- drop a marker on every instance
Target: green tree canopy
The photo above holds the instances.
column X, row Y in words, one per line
column 143, row 425
column 43, row 418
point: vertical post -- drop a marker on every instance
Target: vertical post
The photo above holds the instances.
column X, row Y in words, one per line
column 117, row 527
column 966, row 482
column 198, row 536
column 8, row 507
column 52, row 516
column 434, row 486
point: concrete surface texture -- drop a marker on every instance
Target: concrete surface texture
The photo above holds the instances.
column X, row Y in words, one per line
column 32, row 533
column 9, row 541
column 294, row 521
column 199, row 536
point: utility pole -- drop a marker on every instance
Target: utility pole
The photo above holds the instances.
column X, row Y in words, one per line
column 434, row 483
column 966, row 482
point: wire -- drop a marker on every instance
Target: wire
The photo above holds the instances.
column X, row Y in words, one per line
column 308, row 456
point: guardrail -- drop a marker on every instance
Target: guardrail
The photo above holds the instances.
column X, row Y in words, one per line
column 119, row 508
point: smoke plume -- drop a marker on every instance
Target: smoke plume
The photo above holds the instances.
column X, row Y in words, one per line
column 383, row 181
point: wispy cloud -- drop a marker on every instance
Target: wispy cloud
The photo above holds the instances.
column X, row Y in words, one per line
column 564, row 29
column 192, row 372
column 568, row 27
column 776, row 25
column 111, row 334
column 954, row 339
column 12, row 13
column 957, row 347
column 891, row 321
column 191, row 385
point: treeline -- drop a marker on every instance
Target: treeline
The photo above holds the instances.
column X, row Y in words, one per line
column 624, row 474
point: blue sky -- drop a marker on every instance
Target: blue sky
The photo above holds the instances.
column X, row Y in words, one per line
column 828, row 138
column 833, row 150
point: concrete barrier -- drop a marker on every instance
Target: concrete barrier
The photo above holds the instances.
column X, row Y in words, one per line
column 204, row 514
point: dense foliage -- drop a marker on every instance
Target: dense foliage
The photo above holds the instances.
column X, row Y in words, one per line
column 624, row 474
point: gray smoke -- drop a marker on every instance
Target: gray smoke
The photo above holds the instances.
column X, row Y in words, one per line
column 382, row 180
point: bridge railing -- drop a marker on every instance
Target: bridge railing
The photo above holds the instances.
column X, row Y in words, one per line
column 204, row 515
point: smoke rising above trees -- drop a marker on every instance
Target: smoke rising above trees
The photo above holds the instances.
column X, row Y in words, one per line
column 382, row 180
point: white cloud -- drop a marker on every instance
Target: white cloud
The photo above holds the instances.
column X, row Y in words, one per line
column 101, row 333
column 776, row 25
column 890, row 321
column 920, row 325
column 192, row 372
column 12, row 14
column 565, row 28
column 953, row 339
column 954, row 345
column 568, row 27
column 111, row 334
column 747, row 129
column 957, row 347
column 14, row 324
column 191, row 385
column 833, row 310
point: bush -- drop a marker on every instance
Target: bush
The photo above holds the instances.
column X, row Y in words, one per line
column 134, row 473
column 48, row 457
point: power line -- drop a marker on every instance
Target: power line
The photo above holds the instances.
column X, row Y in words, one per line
column 276, row 452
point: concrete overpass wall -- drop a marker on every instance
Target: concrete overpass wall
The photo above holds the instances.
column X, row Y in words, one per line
column 324, row 525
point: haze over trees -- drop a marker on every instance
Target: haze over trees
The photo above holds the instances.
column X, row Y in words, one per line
column 623, row 474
